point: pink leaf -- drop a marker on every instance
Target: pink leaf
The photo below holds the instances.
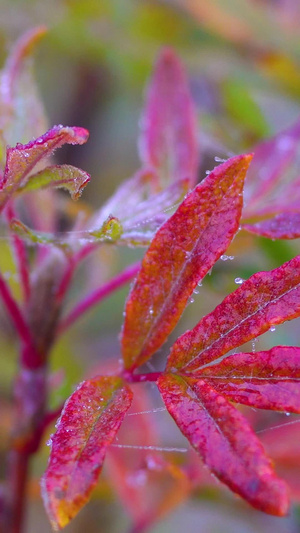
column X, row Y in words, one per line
column 264, row 299
column 88, row 425
column 267, row 380
column 169, row 138
column 283, row 226
column 181, row 253
column 141, row 207
column 21, row 160
column 225, row 442
column 21, row 112
column 271, row 162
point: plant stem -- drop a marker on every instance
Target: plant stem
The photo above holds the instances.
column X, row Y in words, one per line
column 14, row 312
column 30, row 398
column 20, row 256
column 98, row 295
column 18, row 472
column 140, row 378
column 73, row 263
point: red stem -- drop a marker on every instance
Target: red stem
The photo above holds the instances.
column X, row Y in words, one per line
column 20, row 255
column 140, row 378
column 99, row 294
column 67, row 278
column 15, row 313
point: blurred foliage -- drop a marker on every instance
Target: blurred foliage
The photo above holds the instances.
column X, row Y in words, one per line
column 243, row 59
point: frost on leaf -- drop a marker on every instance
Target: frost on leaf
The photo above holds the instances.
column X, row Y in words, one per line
column 88, row 425
column 21, row 112
column 282, row 226
column 272, row 187
column 67, row 177
column 265, row 299
column 21, row 160
column 168, row 140
column 141, row 208
column 180, row 255
column 265, row 380
column 227, row 445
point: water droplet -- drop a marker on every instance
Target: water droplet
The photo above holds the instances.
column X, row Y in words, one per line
column 220, row 160
column 239, row 281
column 272, row 328
column 49, row 441
column 207, row 172
column 191, row 300
column 288, row 414
column 253, row 343
column 151, row 311
column 196, row 291
column 199, row 283
column 227, row 257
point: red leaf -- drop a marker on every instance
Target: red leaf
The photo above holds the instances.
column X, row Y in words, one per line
column 21, row 160
column 267, row 380
column 271, row 161
column 283, row 226
column 282, row 444
column 181, row 253
column 88, row 425
column 227, row 445
column 169, row 137
column 266, row 298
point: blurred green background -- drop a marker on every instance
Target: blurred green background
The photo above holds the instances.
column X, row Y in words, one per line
column 243, row 63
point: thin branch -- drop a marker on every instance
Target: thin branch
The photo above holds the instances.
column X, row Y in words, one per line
column 73, row 263
column 21, row 257
column 15, row 313
column 98, row 295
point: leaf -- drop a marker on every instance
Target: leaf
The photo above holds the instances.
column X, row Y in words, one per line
column 21, row 112
column 225, row 442
column 63, row 176
column 21, row 160
column 283, row 226
column 168, row 140
column 181, row 253
column 88, row 424
column 274, row 163
column 282, row 444
column 266, row 380
column 141, row 207
column 35, row 237
column 265, row 299
column 110, row 232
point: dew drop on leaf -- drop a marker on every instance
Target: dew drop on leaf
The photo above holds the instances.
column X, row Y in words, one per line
column 239, row 281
